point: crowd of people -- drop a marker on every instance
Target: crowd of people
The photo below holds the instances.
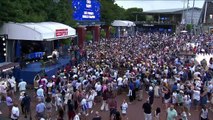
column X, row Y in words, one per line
column 157, row 64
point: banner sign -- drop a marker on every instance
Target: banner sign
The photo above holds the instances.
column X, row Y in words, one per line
column 61, row 32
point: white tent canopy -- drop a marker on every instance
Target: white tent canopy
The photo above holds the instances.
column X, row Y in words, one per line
column 123, row 23
column 37, row 31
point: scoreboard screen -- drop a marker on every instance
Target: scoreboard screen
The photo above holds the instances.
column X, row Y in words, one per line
column 86, row 10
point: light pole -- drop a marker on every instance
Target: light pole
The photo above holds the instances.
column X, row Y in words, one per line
column 192, row 18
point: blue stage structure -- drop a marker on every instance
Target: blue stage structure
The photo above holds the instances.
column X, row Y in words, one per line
column 31, row 70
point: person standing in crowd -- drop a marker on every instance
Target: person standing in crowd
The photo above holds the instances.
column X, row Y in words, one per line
column 22, row 104
column 77, row 116
column 151, row 95
column 184, row 115
column 157, row 114
column 124, row 107
column 130, row 94
column 15, row 113
column 40, row 92
column 105, row 97
column 22, row 85
column 9, row 102
column 187, row 103
column 40, row 109
column 112, row 106
column 120, row 85
column 167, row 96
column 26, row 104
column 49, row 107
column 196, row 97
column 180, row 101
column 60, row 114
column 204, row 113
column 90, row 100
column 70, row 110
column 147, row 107
column 12, row 82
column 117, row 116
column 171, row 113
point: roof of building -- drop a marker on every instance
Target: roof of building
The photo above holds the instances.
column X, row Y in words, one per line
column 125, row 23
column 170, row 11
column 37, row 31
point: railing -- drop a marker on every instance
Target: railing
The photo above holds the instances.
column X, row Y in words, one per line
column 155, row 22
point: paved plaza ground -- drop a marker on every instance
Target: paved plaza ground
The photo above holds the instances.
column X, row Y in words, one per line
column 134, row 112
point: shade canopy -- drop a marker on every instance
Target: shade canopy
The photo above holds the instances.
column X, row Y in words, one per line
column 123, row 23
column 43, row 31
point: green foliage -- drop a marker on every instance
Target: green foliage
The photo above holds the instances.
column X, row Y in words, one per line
column 89, row 36
column 111, row 11
column 131, row 13
column 48, row 10
column 103, row 34
column 112, row 30
column 36, row 11
column 149, row 18
column 189, row 27
column 66, row 41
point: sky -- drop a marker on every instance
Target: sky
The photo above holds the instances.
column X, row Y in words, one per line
column 158, row 4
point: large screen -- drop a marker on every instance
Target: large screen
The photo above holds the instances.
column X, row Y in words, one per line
column 86, row 10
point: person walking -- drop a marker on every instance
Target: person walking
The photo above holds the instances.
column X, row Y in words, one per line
column 9, row 102
column 112, row 106
column 157, row 113
column 70, row 110
column 147, row 107
column 171, row 113
column 124, row 108
column 40, row 109
column 49, row 106
column 15, row 112
column 105, row 97
column 204, row 113
column 26, row 104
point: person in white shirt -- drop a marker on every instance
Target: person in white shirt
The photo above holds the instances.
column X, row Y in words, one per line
column 12, row 82
column 55, row 54
column 84, row 105
column 15, row 112
column 124, row 108
column 98, row 88
column 196, row 97
column 22, row 85
column 40, row 92
column 120, row 84
column 204, row 113
column 77, row 117
column 187, row 103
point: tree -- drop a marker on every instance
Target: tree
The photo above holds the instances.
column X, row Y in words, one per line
column 36, row 11
column 111, row 11
column 134, row 13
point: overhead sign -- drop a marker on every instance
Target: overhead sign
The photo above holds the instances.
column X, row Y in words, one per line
column 61, row 32
column 86, row 10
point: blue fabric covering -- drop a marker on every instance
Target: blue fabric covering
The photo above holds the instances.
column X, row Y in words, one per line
column 18, row 49
column 28, row 73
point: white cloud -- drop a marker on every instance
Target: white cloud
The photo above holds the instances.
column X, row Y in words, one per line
column 157, row 4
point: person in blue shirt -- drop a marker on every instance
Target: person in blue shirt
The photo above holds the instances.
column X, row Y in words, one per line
column 174, row 87
column 131, row 88
column 40, row 109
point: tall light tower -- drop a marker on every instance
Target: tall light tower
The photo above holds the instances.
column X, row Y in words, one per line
column 192, row 17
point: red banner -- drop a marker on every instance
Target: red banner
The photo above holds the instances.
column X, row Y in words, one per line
column 61, row 32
